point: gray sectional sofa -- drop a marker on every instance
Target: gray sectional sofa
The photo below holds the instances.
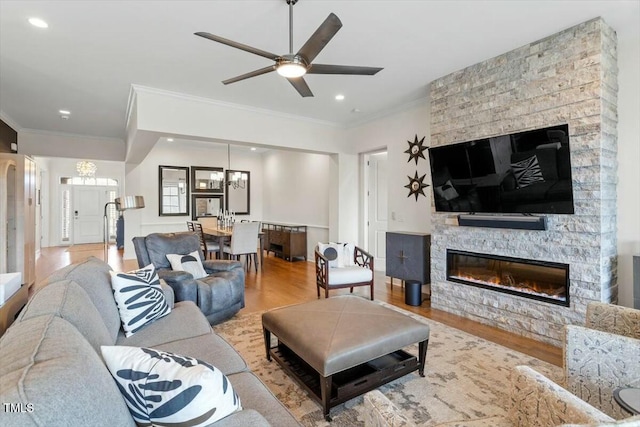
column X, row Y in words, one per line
column 52, row 372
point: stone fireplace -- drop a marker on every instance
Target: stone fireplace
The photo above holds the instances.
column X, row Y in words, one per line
column 538, row 280
column 569, row 77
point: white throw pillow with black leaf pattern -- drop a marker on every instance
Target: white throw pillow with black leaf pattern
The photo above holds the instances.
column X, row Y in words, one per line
column 190, row 263
column 162, row 388
column 139, row 298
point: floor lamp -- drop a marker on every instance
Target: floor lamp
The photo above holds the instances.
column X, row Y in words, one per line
column 122, row 204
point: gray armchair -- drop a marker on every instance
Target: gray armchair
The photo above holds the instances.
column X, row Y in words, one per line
column 220, row 295
column 603, row 355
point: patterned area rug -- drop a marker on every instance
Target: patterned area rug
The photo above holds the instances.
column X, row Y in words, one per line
column 466, row 376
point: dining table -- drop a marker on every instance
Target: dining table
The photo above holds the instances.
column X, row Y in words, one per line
column 223, row 235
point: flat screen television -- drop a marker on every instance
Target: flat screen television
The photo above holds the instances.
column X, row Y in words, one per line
column 524, row 172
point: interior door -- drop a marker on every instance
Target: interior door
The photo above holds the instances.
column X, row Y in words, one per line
column 88, row 206
column 377, row 202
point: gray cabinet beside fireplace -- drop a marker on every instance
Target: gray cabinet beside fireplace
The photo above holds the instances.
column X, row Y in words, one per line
column 408, row 256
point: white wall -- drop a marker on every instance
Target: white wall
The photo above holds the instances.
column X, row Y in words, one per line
column 296, row 191
column 37, row 143
column 392, row 133
column 628, row 190
column 143, row 180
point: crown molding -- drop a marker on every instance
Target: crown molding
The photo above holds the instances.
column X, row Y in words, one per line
column 71, row 135
column 8, row 120
column 145, row 89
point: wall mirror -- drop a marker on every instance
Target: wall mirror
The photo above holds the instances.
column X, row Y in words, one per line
column 238, row 183
column 207, row 180
column 173, row 190
column 206, row 206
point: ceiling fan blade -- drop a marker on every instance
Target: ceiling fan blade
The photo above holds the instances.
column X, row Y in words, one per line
column 251, row 74
column 237, row 45
column 342, row 69
column 301, row 86
column 320, row 38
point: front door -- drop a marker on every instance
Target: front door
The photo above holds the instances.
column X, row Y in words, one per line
column 88, row 205
column 377, row 202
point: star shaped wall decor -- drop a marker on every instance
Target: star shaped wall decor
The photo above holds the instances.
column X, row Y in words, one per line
column 416, row 149
column 416, row 185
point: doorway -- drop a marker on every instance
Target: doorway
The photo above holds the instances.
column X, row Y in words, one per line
column 82, row 204
column 376, row 206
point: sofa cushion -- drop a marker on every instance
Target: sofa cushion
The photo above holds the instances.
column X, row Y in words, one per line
column 93, row 276
column 47, row 364
column 184, row 321
column 190, row 263
column 255, row 395
column 164, row 388
column 67, row 300
column 160, row 244
column 210, row 348
column 139, row 297
column 246, row 417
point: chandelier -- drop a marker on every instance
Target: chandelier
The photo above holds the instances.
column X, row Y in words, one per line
column 238, row 179
column 86, row 169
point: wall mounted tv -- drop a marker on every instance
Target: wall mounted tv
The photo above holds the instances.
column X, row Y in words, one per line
column 525, row 172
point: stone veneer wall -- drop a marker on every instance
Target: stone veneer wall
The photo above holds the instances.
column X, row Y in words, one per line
column 569, row 77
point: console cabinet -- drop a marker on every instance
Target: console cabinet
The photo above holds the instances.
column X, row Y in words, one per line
column 408, row 256
column 285, row 240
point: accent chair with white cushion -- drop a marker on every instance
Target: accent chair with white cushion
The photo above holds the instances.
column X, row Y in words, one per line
column 342, row 265
column 603, row 355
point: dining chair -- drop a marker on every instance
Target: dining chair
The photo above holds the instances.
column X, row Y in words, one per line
column 244, row 241
column 190, row 226
column 209, row 247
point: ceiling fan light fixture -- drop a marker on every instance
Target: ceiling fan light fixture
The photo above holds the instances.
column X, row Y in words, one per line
column 291, row 70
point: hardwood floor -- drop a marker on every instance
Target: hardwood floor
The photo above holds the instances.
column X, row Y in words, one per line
column 282, row 283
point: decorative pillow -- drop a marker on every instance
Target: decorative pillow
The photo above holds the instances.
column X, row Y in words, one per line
column 190, row 263
column 334, row 253
column 527, row 171
column 139, row 298
column 347, row 250
column 447, row 191
column 162, row 388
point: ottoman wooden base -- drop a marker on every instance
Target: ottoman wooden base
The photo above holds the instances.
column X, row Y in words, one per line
column 327, row 362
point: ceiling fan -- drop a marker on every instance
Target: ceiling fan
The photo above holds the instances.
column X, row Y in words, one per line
column 293, row 66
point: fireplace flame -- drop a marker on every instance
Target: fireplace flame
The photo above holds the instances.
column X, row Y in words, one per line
column 525, row 286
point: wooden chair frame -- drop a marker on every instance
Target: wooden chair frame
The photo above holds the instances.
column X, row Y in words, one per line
column 360, row 257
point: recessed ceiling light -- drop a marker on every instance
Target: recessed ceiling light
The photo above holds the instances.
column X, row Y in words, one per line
column 37, row 22
column 253, row 148
column 339, row 97
column 169, row 139
column 65, row 112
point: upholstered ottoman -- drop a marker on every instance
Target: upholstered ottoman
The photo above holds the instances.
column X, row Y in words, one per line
column 341, row 347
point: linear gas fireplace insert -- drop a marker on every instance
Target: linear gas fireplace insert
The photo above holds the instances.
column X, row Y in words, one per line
column 539, row 280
